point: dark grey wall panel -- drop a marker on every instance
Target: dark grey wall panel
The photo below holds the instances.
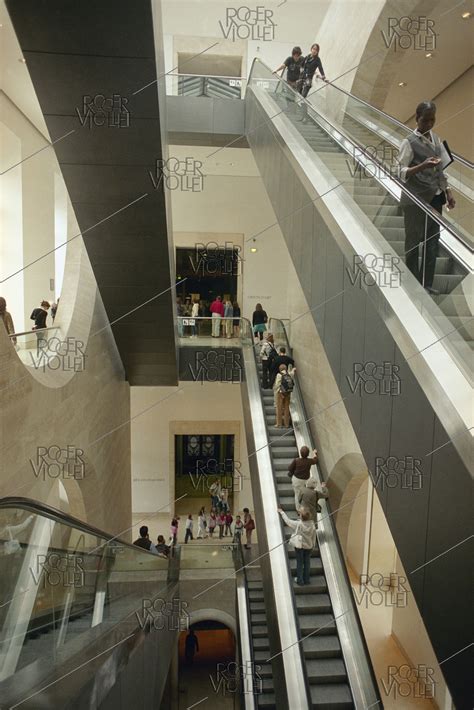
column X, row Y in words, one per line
column 84, row 49
column 425, row 522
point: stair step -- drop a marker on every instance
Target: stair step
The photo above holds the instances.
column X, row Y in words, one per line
column 331, row 696
column 313, row 603
column 326, row 670
column 318, row 646
column 320, row 624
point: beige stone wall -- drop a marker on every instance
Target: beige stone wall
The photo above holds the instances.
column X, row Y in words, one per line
column 87, row 410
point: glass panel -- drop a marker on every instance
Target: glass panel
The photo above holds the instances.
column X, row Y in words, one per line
column 57, row 582
column 398, row 231
column 221, row 87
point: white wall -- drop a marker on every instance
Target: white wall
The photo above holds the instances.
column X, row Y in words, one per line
column 33, row 218
column 157, row 413
column 11, row 227
column 234, row 200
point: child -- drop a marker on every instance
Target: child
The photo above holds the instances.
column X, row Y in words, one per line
column 238, row 527
column 212, row 522
column 221, row 524
column 228, row 522
column 174, row 530
column 202, row 524
column 189, row 529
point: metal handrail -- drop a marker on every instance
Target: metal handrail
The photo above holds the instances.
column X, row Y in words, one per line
column 285, row 611
column 30, row 332
column 355, row 652
column 58, row 516
column 245, row 624
column 208, row 76
column 434, row 215
column 456, row 156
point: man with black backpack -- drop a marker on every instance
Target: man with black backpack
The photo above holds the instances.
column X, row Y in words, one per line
column 284, row 387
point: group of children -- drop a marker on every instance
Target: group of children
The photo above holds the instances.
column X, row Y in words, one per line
column 207, row 526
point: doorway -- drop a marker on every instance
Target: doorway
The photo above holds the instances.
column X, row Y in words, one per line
column 207, row 271
column 209, row 671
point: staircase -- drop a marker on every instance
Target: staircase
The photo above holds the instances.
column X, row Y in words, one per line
column 325, row 667
column 385, row 214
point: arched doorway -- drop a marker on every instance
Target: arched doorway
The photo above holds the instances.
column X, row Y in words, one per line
column 207, row 665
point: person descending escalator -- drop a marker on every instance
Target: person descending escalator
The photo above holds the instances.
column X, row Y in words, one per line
column 422, row 158
column 311, row 64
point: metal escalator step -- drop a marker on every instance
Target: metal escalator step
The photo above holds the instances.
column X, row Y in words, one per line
column 378, row 210
column 331, row 696
column 318, row 586
column 255, row 584
column 320, row 624
column 316, row 567
column 318, row 646
column 266, row 700
column 255, row 595
column 453, row 304
column 286, row 488
column 326, row 670
column 265, row 670
column 287, row 503
column 261, row 656
column 283, row 441
column 445, row 283
column 280, row 466
column 259, row 633
column 313, row 603
column 284, row 452
column 258, row 619
column 261, row 643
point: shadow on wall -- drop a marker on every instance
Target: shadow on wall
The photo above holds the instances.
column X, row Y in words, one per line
column 347, row 485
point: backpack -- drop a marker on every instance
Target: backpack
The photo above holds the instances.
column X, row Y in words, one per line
column 286, row 384
column 271, row 356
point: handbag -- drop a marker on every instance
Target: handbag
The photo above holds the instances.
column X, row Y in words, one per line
column 296, row 539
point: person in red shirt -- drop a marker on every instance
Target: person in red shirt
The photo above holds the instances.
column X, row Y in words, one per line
column 217, row 310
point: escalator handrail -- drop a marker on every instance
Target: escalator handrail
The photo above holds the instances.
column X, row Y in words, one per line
column 339, row 562
column 297, row 686
column 245, row 623
column 400, row 124
column 430, row 211
column 59, row 516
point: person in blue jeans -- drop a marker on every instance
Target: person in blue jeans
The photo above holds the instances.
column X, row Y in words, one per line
column 303, row 540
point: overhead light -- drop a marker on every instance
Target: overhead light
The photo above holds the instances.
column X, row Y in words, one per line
column 402, row 83
column 22, row 60
column 466, row 15
column 253, row 249
column 428, row 55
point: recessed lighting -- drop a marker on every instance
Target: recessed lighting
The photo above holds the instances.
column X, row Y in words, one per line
column 22, row 60
column 428, row 55
column 466, row 15
column 402, row 83
column 253, row 249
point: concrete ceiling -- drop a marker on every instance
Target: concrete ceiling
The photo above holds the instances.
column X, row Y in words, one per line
column 77, row 49
column 377, row 80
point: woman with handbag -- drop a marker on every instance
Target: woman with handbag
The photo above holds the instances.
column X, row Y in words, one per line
column 303, row 540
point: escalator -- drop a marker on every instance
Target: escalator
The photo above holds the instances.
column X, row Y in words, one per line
column 307, row 622
column 381, row 207
column 325, row 668
column 397, row 358
column 75, row 612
